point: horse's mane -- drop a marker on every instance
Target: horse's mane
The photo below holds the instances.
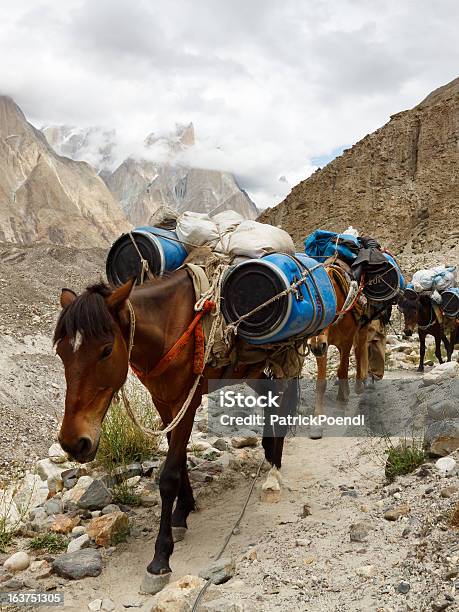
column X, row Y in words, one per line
column 87, row 314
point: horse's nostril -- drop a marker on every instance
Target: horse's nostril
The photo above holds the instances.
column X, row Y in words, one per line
column 83, row 446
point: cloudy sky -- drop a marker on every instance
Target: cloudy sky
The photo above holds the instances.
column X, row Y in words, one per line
column 274, row 87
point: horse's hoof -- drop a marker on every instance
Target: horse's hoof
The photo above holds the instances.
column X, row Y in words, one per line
column 359, row 387
column 316, row 432
column 178, row 533
column 153, row 583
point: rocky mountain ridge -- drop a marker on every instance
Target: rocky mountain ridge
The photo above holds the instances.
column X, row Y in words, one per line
column 48, row 198
column 155, row 175
column 400, row 184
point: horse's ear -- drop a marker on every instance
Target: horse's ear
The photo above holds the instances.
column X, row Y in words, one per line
column 118, row 298
column 67, row 297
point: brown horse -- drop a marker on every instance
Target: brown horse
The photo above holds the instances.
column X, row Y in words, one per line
column 92, row 338
column 344, row 333
column 420, row 313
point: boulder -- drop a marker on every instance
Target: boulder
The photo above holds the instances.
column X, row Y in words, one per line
column 63, row 523
column 244, row 438
column 57, row 454
column 17, row 562
column 32, row 492
column 393, row 514
column 442, row 437
column 95, row 497
column 219, row 571
column 73, row 495
column 108, row 529
column 441, row 372
column 79, row 564
column 46, row 469
column 177, row 596
column 78, row 543
column 446, row 465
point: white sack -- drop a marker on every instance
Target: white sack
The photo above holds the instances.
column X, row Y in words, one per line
column 253, row 239
column 195, row 229
column 226, row 221
column 439, row 278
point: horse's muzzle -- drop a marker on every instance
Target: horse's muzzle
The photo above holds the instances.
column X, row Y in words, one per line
column 83, row 451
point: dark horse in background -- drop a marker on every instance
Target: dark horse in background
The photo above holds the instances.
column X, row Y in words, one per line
column 92, row 339
column 420, row 312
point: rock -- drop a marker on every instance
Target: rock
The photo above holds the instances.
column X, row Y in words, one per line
column 95, row 514
column 46, row 469
column 53, row 506
column 39, row 518
column 96, row 496
column 447, row 492
column 95, row 605
column 198, row 446
column 79, row 564
column 393, row 514
column 366, row 571
column 31, row 493
column 443, row 410
column 442, row 437
column 78, row 531
column 63, row 523
column 441, row 372
column 222, row 605
column 72, row 496
column 221, row 444
column 302, row 542
column 78, row 543
column 177, row 596
column 446, row 465
column 306, row 511
column 148, row 467
column 109, row 529
column 123, row 472
column 110, row 508
column 69, row 478
column 211, row 454
column 358, row 532
column 440, row 604
column 42, row 569
column 149, row 499
column 57, row 454
column 17, row 562
column 219, row 571
column 245, row 438
column 403, row 587
column 107, row 605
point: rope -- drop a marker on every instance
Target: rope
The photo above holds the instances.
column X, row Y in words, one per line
column 232, row 327
column 213, row 330
column 144, row 262
column 228, row 537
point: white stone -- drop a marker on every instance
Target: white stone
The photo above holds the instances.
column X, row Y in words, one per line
column 32, row 492
column 95, row 605
column 17, row 562
column 46, row 469
column 443, row 371
column 78, row 543
column 57, row 454
column 107, row 605
column 445, row 465
column 176, row 596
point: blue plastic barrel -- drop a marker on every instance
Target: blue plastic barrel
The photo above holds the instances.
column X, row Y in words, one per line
column 159, row 247
column 305, row 311
column 450, row 302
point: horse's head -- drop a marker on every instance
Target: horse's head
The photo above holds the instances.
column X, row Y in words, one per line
column 93, row 349
column 319, row 344
column 410, row 310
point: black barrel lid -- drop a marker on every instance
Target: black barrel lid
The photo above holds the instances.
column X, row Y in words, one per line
column 123, row 261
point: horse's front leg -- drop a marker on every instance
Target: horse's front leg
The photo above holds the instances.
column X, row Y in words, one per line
column 438, row 340
column 158, row 571
column 361, row 350
column 316, row 431
column 422, row 351
column 449, row 345
column 185, row 504
column 343, row 374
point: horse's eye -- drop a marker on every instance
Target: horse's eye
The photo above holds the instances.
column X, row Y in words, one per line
column 106, row 351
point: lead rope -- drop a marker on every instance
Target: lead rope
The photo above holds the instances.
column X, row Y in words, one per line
column 181, row 413
column 145, row 267
column 228, row 537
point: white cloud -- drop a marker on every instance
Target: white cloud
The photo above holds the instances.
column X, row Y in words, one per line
column 269, row 85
